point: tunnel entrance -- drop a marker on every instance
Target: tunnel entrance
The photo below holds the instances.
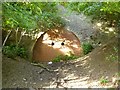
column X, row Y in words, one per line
column 55, row 42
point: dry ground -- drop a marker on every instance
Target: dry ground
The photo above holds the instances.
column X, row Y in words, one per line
column 83, row 72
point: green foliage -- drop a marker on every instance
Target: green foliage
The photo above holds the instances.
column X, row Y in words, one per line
column 87, row 47
column 111, row 88
column 58, row 58
column 12, row 51
column 103, row 80
column 71, row 57
column 100, row 11
column 113, row 56
column 30, row 15
column 118, row 74
column 50, row 20
column 64, row 58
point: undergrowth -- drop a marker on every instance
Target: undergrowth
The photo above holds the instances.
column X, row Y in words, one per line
column 64, row 58
column 13, row 51
column 103, row 81
column 87, row 47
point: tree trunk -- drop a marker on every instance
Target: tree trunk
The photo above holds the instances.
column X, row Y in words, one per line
column 7, row 37
column 22, row 33
column 16, row 36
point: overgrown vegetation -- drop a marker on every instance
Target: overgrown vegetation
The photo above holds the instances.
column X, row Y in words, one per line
column 105, row 17
column 64, row 58
column 32, row 17
column 87, row 47
column 107, row 12
column 13, row 51
column 28, row 18
column 114, row 55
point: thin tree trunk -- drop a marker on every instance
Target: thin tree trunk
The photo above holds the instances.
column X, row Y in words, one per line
column 7, row 37
column 21, row 37
column 16, row 36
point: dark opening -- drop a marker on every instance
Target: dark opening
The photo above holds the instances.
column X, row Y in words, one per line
column 62, row 43
column 52, row 43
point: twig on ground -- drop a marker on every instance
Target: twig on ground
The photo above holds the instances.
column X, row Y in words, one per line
column 42, row 66
column 65, row 80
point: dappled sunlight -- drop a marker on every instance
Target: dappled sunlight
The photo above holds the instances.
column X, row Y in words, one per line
column 46, row 37
column 66, row 51
column 90, row 71
column 57, row 42
column 54, row 42
column 106, row 32
column 104, row 28
column 56, row 30
column 71, row 76
column 48, row 42
column 37, row 35
column 74, row 45
column 57, row 45
column 66, row 19
column 111, row 29
column 82, row 82
column 82, row 58
column 99, row 24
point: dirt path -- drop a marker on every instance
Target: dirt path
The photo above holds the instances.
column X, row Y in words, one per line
column 83, row 72
column 77, row 23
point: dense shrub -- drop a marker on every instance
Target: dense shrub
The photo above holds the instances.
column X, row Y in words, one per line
column 87, row 47
column 13, row 51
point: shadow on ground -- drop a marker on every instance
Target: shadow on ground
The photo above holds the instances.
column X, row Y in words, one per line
column 83, row 72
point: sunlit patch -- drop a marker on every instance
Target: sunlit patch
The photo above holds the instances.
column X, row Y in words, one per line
column 75, row 45
column 38, row 35
column 70, row 76
column 106, row 31
column 58, row 39
column 111, row 29
column 99, row 24
column 66, row 50
column 66, row 19
column 47, row 42
column 106, row 28
column 46, row 37
column 56, row 30
column 57, row 45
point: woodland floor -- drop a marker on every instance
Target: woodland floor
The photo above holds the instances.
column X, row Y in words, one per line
column 84, row 72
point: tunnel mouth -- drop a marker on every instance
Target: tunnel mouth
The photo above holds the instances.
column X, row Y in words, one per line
column 57, row 43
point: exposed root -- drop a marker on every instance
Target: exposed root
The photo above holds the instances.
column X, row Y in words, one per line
column 42, row 66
